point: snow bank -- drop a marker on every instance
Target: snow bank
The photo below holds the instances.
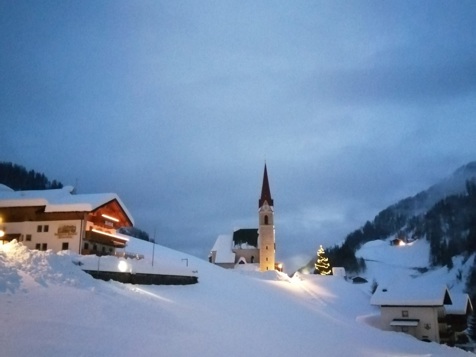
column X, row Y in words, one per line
column 51, row 308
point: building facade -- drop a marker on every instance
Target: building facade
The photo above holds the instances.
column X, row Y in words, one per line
column 61, row 220
column 414, row 309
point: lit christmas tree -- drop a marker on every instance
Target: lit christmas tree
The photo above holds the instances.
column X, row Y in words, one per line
column 322, row 265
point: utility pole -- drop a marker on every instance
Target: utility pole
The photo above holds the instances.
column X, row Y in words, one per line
column 153, row 247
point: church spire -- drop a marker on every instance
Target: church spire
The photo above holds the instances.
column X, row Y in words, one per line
column 265, row 191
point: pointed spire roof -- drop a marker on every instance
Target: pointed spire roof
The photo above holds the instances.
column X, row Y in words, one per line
column 265, row 191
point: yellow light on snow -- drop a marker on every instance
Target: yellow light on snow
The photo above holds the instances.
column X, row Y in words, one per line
column 2, row 233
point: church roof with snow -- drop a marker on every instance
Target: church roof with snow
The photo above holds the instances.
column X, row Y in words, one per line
column 222, row 249
column 246, row 237
column 59, row 200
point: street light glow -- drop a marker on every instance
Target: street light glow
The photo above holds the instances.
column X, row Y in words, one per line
column 122, row 266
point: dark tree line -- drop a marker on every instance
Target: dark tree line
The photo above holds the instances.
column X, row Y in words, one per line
column 18, row 178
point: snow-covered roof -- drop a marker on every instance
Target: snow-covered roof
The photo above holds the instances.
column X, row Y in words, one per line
column 461, row 303
column 59, row 200
column 411, row 295
column 5, row 188
column 222, row 247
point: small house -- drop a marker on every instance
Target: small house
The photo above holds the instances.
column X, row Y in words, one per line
column 453, row 326
column 415, row 309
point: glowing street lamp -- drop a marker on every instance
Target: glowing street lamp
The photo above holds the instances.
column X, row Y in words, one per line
column 122, row 266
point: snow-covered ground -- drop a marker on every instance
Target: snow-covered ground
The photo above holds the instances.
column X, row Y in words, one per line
column 49, row 307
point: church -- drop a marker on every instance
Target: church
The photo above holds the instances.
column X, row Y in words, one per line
column 251, row 247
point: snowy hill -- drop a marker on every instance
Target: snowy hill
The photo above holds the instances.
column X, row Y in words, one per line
column 387, row 265
column 49, row 307
column 444, row 215
column 423, row 201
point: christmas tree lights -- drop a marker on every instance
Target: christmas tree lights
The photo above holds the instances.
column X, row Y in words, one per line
column 322, row 265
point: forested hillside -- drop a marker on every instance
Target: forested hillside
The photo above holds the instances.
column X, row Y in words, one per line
column 19, row 178
column 445, row 215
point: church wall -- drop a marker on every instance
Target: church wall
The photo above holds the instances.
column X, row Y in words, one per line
column 247, row 254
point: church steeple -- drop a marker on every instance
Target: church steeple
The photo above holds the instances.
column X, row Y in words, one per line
column 266, row 237
column 265, row 191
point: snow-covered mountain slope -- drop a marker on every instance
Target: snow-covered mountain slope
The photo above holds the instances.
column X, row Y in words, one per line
column 423, row 201
column 49, row 307
column 388, row 264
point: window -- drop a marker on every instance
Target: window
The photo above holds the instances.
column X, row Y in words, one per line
column 405, row 313
column 266, row 247
column 38, row 246
column 86, row 245
column 46, row 228
column 28, row 238
column 404, row 328
column 266, row 259
column 266, row 220
column 39, row 228
column 65, row 246
column 44, row 246
column 21, row 238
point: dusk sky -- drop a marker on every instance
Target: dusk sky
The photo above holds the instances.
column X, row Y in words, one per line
column 176, row 106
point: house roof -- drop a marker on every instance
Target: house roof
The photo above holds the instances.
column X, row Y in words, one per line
column 222, row 249
column 59, row 200
column 461, row 305
column 411, row 294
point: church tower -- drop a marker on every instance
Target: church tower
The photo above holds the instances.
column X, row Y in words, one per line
column 266, row 242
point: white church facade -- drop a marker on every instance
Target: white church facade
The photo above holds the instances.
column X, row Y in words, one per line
column 253, row 247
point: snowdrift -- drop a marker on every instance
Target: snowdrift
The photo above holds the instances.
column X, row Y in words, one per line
column 49, row 307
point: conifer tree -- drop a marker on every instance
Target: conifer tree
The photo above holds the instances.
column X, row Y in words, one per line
column 322, row 265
